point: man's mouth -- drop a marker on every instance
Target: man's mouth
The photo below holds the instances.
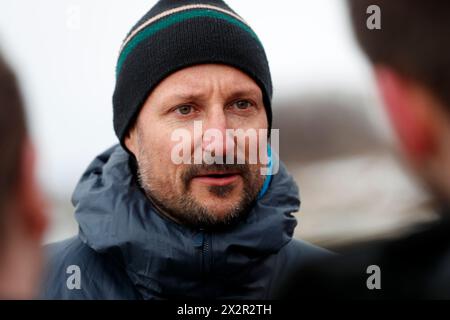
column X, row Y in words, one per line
column 217, row 178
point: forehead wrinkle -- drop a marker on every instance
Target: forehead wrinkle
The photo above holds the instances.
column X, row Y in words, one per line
column 202, row 86
column 184, row 90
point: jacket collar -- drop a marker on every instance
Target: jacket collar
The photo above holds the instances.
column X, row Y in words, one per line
column 115, row 217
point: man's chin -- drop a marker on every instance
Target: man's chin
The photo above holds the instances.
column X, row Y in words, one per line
column 221, row 209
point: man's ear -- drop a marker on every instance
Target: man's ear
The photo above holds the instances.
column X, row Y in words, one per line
column 131, row 139
column 30, row 203
column 410, row 109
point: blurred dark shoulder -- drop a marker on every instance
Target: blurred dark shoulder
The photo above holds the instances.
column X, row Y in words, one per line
column 415, row 266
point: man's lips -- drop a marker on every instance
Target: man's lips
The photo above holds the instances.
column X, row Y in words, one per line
column 217, row 178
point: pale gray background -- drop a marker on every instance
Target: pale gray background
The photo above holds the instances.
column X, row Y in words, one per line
column 334, row 135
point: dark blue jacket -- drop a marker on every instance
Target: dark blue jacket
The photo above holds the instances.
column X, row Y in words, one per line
column 126, row 250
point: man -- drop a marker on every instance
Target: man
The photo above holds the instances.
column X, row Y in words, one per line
column 22, row 218
column 411, row 58
column 154, row 228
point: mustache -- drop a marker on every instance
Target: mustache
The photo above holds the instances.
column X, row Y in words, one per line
column 203, row 169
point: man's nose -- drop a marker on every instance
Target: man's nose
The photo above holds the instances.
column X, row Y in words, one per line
column 215, row 137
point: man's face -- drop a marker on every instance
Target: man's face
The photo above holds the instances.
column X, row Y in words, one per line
column 201, row 195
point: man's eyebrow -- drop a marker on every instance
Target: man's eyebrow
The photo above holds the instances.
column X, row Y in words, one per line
column 186, row 96
column 245, row 92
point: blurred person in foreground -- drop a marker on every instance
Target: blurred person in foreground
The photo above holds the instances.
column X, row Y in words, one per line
column 22, row 210
column 152, row 228
column 411, row 60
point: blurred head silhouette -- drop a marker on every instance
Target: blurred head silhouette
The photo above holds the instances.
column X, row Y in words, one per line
column 411, row 58
column 22, row 218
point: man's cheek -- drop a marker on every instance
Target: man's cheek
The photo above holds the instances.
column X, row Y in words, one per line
column 160, row 146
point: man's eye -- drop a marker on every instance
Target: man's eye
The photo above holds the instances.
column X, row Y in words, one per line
column 242, row 104
column 184, row 110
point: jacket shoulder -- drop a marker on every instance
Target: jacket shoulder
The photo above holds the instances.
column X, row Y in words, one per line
column 293, row 256
column 76, row 271
column 303, row 251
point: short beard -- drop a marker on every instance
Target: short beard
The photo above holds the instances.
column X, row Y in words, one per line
column 186, row 210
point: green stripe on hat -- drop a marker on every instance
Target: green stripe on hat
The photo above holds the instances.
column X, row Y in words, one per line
column 174, row 19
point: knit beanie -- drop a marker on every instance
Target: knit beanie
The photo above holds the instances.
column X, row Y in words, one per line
column 177, row 34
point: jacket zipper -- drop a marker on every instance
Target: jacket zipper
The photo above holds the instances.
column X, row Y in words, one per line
column 202, row 242
column 205, row 252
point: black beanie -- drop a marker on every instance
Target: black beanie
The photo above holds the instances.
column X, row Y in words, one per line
column 176, row 34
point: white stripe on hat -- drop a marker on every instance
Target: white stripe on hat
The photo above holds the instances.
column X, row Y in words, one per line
column 176, row 10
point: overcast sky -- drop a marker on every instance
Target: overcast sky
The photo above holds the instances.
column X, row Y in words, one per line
column 65, row 54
